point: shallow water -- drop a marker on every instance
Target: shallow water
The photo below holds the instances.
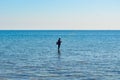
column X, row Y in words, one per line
column 84, row 55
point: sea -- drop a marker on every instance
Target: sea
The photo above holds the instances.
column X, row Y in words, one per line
column 83, row 55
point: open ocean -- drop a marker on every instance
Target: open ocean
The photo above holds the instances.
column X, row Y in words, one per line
column 84, row 55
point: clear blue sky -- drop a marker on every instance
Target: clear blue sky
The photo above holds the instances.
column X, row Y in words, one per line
column 60, row 14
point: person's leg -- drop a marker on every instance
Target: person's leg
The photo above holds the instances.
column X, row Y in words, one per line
column 58, row 47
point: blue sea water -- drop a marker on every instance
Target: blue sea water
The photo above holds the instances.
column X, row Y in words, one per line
column 84, row 55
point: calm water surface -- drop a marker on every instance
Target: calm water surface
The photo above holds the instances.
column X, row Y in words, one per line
column 84, row 55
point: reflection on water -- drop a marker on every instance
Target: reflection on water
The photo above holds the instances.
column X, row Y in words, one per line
column 35, row 57
column 59, row 53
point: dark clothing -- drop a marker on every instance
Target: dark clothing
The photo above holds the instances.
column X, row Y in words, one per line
column 59, row 43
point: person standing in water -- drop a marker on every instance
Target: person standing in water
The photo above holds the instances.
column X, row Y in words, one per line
column 59, row 43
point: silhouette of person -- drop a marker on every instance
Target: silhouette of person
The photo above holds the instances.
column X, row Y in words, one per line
column 59, row 43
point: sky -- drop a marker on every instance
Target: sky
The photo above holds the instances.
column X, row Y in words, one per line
column 59, row 14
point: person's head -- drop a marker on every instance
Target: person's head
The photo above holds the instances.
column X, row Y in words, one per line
column 59, row 38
